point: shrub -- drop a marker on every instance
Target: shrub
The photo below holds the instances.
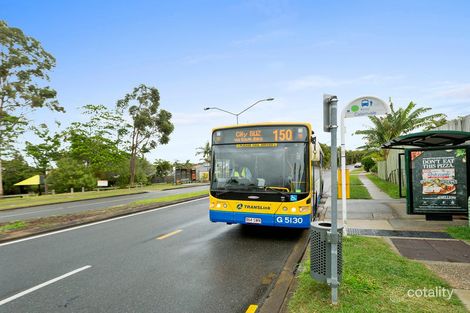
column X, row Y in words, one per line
column 368, row 163
column 374, row 169
column 71, row 174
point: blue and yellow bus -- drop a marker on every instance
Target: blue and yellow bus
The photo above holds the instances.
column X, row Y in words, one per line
column 265, row 174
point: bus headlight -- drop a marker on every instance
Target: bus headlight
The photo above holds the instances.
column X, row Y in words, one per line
column 218, row 205
column 304, row 209
column 284, row 209
column 294, row 210
column 225, row 205
column 212, row 205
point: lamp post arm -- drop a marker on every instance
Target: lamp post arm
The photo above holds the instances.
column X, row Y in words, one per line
column 215, row 108
column 251, row 106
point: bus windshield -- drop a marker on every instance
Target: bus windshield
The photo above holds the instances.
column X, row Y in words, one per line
column 263, row 167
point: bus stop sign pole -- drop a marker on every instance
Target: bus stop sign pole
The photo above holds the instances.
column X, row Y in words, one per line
column 362, row 106
column 330, row 121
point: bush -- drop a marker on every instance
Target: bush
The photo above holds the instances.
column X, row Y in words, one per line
column 374, row 169
column 368, row 163
column 71, row 174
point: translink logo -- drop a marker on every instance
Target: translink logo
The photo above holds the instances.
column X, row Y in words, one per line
column 239, row 206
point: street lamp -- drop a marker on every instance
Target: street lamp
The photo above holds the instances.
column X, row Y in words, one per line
column 238, row 114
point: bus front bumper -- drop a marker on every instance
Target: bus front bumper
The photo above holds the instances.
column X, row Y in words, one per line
column 280, row 220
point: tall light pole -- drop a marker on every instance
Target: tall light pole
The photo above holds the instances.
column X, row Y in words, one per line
column 238, row 114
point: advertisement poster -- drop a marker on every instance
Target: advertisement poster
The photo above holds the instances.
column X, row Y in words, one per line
column 439, row 181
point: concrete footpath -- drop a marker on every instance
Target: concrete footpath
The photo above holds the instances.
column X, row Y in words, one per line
column 382, row 214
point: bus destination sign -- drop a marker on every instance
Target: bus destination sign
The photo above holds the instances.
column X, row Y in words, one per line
column 260, row 134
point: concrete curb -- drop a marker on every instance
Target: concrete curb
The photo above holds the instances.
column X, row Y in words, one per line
column 98, row 218
column 78, row 200
column 278, row 297
column 278, row 294
column 193, row 186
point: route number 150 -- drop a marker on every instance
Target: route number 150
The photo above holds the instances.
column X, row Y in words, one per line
column 283, row 135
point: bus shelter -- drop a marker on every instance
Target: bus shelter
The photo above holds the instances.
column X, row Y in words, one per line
column 36, row 180
column 437, row 172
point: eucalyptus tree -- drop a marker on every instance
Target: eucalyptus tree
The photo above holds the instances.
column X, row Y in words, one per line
column 148, row 125
column 47, row 150
column 24, row 66
column 96, row 141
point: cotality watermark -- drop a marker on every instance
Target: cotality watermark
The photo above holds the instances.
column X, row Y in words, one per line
column 435, row 292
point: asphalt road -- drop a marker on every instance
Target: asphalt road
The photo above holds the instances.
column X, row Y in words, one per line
column 119, row 265
column 79, row 206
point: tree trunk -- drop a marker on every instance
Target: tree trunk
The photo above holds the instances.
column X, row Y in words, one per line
column 1, row 179
column 132, row 168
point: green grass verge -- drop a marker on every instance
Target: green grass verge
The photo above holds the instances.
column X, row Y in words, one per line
column 12, row 203
column 375, row 280
column 90, row 215
column 459, row 232
column 170, row 198
column 358, row 190
column 356, row 171
column 389, row 188
column 13, row 226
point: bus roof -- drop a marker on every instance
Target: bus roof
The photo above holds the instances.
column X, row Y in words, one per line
column 309, row 126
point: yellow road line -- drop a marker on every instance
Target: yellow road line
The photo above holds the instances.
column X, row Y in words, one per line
column 252, row 308
column 169, row 234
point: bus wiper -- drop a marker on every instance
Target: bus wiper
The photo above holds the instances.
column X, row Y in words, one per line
column 279, row 190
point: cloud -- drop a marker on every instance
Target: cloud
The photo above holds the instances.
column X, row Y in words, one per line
column 319, row 82
column 311, row 82
column 261, row 38
column 459, row 92
column 210, row 57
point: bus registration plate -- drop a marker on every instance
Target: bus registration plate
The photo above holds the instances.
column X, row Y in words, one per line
column 253, row 220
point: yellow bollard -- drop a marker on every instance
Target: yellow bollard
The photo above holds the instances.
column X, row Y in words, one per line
column 348, row 185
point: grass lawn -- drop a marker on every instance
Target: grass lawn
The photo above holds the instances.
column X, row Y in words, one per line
column 170, row 198
column 11, row 203
column 356, row 171
column 375, row 280
column 459, row 232
column 358, row 191
column 389, row 188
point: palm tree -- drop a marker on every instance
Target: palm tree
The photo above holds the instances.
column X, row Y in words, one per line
column 398, row 122
column 205, row 151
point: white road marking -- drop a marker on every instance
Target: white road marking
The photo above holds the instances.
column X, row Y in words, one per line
column 23, row 293
column 96, row 223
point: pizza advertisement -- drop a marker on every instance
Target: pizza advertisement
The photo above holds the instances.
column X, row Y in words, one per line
column 438, row 181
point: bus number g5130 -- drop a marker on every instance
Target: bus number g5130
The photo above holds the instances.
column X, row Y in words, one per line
column 289, row 220
column 283, row 135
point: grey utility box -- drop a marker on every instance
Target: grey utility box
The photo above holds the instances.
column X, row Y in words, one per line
column 320, row 251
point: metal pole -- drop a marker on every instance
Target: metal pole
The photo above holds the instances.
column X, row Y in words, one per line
column 237, row 119
column 344, row 207
column 334, row 202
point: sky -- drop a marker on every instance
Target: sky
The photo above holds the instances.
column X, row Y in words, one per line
column 230, row 54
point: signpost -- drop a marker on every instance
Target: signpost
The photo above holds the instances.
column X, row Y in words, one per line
column 362, row 106
column 330, row 109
